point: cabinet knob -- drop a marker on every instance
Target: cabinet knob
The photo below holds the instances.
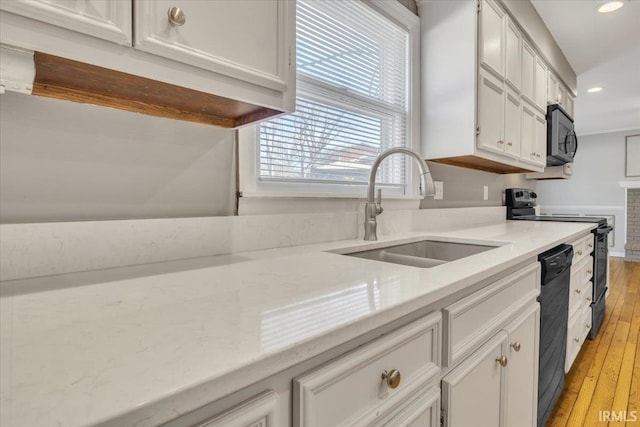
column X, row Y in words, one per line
column 590, row 245
column 509, row 143
column 576, row 339
column 580, row 252
column 588, row 299
column 392, row 378
column 538, row 155
column 516, row 346
column 589, row 272
column 578, row 291
column 500, row 141
column 502, row 360
column 588, row 326
column 176, row 16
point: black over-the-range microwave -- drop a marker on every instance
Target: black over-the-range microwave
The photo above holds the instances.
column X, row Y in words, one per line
column 562, row 142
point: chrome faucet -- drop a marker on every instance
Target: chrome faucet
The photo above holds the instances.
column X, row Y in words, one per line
column 374, row 208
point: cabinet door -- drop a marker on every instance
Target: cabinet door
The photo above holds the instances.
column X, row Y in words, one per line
column 522, row 369
column 512, row 118
column 249, row 40
column 540, row 139
column 540, row 84
column 491, row 113
column 553, row 89
column 492, row 37
column 105, row 19
column 568, row 101
column 527, row 152
column 513, row 55
column 472, row 392
column 528, row 71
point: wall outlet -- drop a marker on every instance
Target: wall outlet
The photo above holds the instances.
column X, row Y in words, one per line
column 486, row 192
column 439, row 190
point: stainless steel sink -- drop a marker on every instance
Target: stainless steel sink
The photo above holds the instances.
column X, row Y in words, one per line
column 424, row 253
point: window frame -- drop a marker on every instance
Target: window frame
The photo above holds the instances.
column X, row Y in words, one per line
column 250, row 184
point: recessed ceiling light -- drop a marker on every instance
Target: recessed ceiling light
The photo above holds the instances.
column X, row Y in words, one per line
column 594, row 89
column 610, row 6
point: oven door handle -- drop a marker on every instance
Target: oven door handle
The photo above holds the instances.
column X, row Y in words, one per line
column 604, row 230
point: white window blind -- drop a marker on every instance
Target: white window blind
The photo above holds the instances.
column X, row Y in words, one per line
column 352, row 99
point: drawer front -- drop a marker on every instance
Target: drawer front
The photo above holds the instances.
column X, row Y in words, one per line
column 578, row 250
column 474, row 319
column 588, row 244
column 578, row 285
column 351, row 390
column 586, row 323
column 575, row 337
column 587, row 294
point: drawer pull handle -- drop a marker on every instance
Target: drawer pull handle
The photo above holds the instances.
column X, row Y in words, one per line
column 516, row 346
column 176, row 17
column 502, row 360
column 576, row 339
column 578, row 291
column 580, row 252
column 392, row 378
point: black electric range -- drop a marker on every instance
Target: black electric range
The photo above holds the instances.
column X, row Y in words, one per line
column 521, row 203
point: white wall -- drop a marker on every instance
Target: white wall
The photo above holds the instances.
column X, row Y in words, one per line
column 593, row 188
column 465, row 187
column 64, row 161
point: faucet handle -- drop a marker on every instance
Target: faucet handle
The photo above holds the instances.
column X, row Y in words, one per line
column 379, row 201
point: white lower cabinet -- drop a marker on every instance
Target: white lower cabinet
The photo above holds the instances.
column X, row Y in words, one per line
column 497, row 384
column 369, row 385
column 472, row 392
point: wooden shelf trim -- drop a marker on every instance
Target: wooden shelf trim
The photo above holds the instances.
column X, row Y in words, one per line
column 70, row 80
column 479, row 163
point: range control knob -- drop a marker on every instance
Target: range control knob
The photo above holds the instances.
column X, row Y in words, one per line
column 533, row 195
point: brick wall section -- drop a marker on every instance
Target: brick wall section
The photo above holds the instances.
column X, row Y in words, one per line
column 632, row 247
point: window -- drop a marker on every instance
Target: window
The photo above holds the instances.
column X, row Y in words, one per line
column 354, row 74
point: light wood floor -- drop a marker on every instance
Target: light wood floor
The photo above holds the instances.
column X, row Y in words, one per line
column 606, row 373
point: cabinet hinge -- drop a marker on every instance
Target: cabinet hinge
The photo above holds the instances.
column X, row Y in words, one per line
column 289, row 57
column 443, row 417
column 479, row 6
column 477, row 130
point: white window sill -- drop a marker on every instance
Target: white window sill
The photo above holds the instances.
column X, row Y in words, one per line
column 268, row 194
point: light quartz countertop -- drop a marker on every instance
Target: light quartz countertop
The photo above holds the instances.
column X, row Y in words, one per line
column 143, row 347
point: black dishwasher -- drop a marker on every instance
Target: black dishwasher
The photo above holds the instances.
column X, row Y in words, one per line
column 554, row 313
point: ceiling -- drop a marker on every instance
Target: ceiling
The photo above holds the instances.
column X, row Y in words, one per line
column 604, row 51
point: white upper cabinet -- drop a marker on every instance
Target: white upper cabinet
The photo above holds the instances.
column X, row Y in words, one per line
column 553, row 89
column 528, row 71
column 513, row 56
column 512, row 123
column 540, row 96
column 491, row 112
column 246, row 40
column 492, row 36
column 105, row 19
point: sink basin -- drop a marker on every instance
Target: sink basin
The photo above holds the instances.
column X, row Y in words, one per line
column 424, row 253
